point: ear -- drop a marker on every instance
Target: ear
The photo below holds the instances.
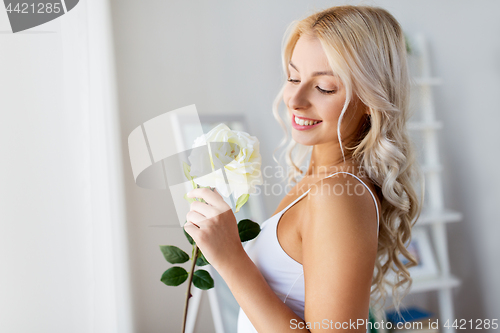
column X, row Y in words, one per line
column 360, row 106
column 366, row 110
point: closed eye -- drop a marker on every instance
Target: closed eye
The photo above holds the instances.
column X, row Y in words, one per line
column 323, row 91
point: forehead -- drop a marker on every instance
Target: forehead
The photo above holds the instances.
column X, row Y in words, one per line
column 308, row 55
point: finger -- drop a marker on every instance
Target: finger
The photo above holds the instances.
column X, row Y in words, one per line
column 191, row 229
column 196, row 218
column 203, row 209
column 211, row 197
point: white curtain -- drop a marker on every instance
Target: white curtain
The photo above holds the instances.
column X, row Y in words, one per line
column 63, row 250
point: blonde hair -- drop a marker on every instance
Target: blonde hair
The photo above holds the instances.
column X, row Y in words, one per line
column 366, row 48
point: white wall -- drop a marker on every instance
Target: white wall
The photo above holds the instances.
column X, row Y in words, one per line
column 224, row 57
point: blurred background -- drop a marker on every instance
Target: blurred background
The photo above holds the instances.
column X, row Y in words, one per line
column 77, row 250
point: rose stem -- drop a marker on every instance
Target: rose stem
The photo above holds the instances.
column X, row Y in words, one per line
column 190, row 280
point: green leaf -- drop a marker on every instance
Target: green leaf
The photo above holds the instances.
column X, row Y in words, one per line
column 203, row 280
column 173, row 254
column 241, row 201
column 174, row 276
column 187, row 169
column 248, row 230
column 201, row 260
column 187, row 172
column 189, row 238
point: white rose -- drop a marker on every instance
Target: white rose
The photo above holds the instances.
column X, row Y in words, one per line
column 242, row 168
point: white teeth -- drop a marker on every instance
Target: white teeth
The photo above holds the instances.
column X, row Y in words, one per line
column 303, row 122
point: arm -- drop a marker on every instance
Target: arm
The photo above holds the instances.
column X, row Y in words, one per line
column 215, row 231
column 339, row 245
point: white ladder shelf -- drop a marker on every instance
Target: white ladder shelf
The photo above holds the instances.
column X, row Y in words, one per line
column 434, row 215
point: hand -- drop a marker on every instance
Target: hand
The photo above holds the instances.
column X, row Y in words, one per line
column 213, row 227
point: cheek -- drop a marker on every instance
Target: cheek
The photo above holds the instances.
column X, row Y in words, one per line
column 331, row 110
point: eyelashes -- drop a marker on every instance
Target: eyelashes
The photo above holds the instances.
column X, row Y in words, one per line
column 326, row 92
column 323, row 91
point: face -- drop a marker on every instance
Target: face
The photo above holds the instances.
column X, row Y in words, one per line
column 314, row 93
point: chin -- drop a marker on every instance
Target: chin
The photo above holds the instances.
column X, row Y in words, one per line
column 303, row 140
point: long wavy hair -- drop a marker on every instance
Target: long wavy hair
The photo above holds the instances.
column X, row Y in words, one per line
column 366, row 48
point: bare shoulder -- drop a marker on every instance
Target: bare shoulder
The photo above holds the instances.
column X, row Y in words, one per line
column 342, row 204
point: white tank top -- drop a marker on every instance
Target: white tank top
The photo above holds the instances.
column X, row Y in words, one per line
column 284, row 275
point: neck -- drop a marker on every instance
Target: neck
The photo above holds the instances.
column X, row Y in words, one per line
column 326, row 160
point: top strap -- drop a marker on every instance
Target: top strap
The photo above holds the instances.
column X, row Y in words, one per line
column 362, row 182
column 305, row 193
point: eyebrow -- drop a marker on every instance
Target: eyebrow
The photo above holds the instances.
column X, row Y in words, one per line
column 315, row 73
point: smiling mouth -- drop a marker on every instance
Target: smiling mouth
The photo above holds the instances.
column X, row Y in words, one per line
column 305, row 122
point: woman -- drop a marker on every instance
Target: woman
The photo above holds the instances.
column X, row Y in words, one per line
column 312, row 268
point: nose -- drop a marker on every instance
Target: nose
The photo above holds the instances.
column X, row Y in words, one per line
column 298, row 98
